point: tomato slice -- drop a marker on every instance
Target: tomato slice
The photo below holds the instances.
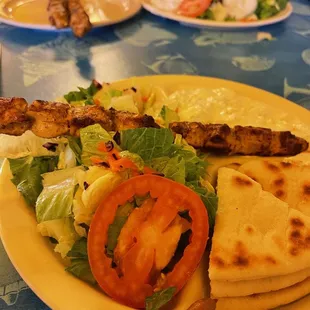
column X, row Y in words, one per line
column 193, row 8
column 142, row 254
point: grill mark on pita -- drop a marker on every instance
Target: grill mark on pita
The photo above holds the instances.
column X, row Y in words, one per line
column 296, row 222
column 279, row 193
column 279, row 182
column 217, row 261
column 294, row 251
column 306, row 189
column 241, row 258
column 285, row 164
column 270, row 259
column 271, row 166
column 295, row 234
column 249, row 174
column 249, row 229
column 242, row 181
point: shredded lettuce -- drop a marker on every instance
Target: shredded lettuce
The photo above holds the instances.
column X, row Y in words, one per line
column 94, row 185
column 27, row 175
column 28, row 144
column 159, row 299
column 62, row 230
column 106, row 94
column 123, row 103
column 56, row 199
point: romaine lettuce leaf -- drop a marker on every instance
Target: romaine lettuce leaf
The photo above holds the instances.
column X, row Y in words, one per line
column 55, row 201
column 58, row 176
column 168, row 115
column 172, row 167
column 61, row 230
column 148, row 143
column 56, row 198
column 115, row 228
column 209, row 199
column 27, row 175
column 159, row 299
column 91, row 136
column 79, row 249
column 80, row 268
column 76, row 147
column 66, row 158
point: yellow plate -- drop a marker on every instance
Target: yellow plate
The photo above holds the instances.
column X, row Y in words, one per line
column 33, row 14
column 205, row 23
column 43, row 270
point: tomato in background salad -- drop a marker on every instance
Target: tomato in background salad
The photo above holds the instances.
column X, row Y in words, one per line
column 136, row 269
column 193, row 8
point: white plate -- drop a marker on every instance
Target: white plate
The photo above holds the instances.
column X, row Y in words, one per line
column 203, row 23
column 43, row 270
column 32, row 14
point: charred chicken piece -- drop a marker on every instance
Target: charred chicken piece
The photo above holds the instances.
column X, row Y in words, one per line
column 58, row 13
column 79, row 20
column 13, row 118
column 50, row 119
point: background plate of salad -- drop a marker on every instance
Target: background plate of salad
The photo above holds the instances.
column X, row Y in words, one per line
column 227, row 14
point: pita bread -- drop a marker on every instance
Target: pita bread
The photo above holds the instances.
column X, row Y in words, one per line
column 267, row 300
column 256, row 235
column 300, row 304
column 289, row 181
column 245, row 288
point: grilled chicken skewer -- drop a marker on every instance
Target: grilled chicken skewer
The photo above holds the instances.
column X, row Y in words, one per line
column 239, row 140
column 79, row 20
column 52, row 119
column 58, row 13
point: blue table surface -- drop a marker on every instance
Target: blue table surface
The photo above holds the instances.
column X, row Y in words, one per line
column 45, row 65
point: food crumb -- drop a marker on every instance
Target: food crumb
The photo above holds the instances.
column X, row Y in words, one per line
column 261, row 36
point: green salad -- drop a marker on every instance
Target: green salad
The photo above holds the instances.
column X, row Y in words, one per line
column 65, row 179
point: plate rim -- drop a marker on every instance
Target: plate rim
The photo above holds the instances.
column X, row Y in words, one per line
column 203, row 23
column 48, row 27
column 9, row 228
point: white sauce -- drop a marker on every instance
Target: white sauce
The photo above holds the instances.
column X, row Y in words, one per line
column 222, row 105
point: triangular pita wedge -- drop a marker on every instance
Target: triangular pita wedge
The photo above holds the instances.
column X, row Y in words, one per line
column 256, row 235
column 249, row 287
column 267, row 300
column 289, row 181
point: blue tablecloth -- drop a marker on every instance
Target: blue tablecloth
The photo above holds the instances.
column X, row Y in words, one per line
column 45, row 65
